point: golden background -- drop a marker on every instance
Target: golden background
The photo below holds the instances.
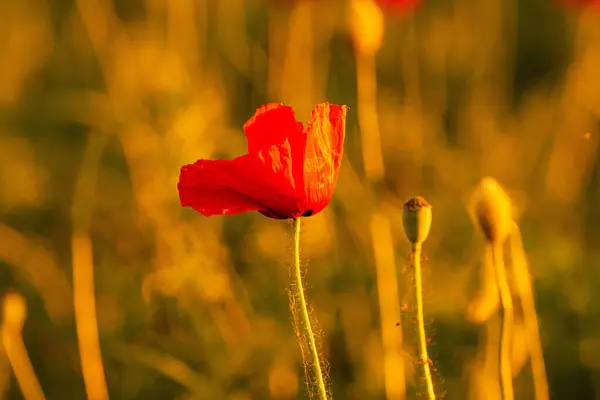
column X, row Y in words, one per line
column 101, row 103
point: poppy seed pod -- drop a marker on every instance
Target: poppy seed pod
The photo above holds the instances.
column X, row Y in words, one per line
column 492, row 210
column 416, row 218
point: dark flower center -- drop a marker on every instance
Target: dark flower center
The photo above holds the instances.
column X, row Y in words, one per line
column 307, row 213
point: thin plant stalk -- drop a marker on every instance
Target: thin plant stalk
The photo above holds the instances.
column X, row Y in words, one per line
column 297, row 79
column 82, row 253
column 303, row 308
column 524, row 287
column 507, row 322
column 381, row 235
column 416, row 250
column 389, row 306
column 487, row 370
column 491, row 389
column 86, row 319
column 368, row 120
column 19, row 361
column 199, row 387
column 12, row 340
column 483, row 310
column 411, row 79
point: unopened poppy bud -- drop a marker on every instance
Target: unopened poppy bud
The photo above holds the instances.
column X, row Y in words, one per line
column 366, row 26
column 416, row 218
column 492, row 210
column 14, row 310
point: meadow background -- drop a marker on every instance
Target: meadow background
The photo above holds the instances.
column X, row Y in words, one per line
column 102, row 101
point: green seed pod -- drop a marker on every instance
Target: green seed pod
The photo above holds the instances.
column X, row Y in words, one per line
column 416, row 218
column 491, row 209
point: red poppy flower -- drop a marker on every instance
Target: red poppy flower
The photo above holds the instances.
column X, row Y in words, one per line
column 290, row 170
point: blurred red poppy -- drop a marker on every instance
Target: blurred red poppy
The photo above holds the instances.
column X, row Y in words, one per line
column 580, row 2
column 399, row 5
column 290, row 170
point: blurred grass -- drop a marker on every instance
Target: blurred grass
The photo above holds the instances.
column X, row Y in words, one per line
column 195, row 308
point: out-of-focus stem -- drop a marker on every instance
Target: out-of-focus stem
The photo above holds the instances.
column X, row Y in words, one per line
column 507, row 322
column 524, row 287
column 491, row 365
column 310, row 336
column 416, row 250
column 370, row 138
column 410, row 66
column 83, row 272
column 15, row 313
column 381, row 235
column 389, row 307
column 411, row 78
column 297, row 81
column 85, row 317
column 199, row 386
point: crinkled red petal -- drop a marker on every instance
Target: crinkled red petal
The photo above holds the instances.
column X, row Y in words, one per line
column 272, row 124
column 324, row 149
column 289, row 171
column 259, row 181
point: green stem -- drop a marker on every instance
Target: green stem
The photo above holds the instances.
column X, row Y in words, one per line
column 421, row 321
column 507, row 322
column 304, row 313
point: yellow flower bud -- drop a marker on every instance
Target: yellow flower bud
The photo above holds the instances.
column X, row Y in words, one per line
column 416, row 218
column 14, row 310
column 492, row 210
column 366, row 26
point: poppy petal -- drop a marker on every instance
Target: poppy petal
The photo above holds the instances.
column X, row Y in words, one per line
column 324, row 149
column 274, row 124
column 271, row 124
column 209, row 187
column 259, row 181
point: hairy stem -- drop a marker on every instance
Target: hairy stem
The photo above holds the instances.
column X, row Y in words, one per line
column 416, row 250
column 302, row 306
column 507, row 322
